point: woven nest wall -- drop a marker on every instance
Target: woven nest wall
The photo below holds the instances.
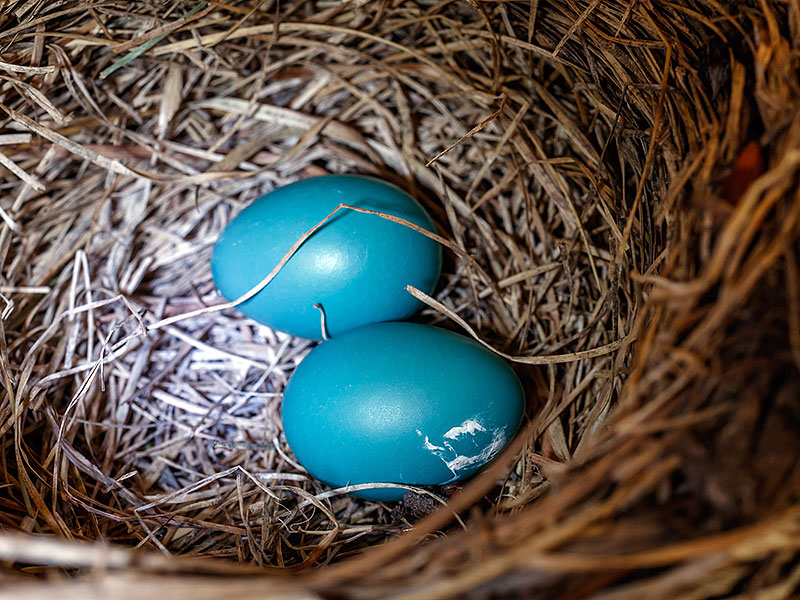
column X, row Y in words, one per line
column 618, row 185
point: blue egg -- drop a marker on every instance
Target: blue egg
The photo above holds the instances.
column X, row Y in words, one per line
column 400, row 403
column 356, row 266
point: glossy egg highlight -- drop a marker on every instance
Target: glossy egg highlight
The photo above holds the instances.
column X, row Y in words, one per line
column 400, row 403
column 356, row 266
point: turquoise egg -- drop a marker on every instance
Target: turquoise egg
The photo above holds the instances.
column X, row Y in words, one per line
column 356, row 266
column 400, row 403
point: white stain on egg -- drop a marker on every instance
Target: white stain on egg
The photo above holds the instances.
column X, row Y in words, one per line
column 427, row 443
column 456, row 461
column 488, row 453
column 468, row 427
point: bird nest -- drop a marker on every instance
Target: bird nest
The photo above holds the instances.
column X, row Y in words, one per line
column 616, row 184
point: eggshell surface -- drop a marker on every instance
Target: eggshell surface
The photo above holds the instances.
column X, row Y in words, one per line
column 400, row 403
column 356, row 266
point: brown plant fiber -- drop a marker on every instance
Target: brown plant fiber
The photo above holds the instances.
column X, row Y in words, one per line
column 616, row 187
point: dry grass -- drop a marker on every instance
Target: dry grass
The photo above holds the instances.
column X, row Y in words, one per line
column 575, row 155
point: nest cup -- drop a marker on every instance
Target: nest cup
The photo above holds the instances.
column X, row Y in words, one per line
column 616, row 187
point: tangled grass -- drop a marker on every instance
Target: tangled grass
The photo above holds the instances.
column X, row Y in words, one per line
column 617, row 183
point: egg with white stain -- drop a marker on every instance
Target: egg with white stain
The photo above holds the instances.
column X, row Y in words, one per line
column 400, row 402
